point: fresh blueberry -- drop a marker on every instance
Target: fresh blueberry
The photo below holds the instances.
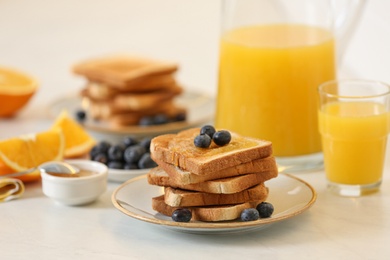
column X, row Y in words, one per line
column 181, row 215
column 202, row 141
column 146, row 162
column 208, row 130
column 265, row 209
column 146, row 143
column 100, row 157
column 222, row 137
column 115, row 153
column 180, row 117
column 81, row 115
column 101, row 147
column 160, row 119
column 250, row 214
column 133, row 153
column 115, row 165
column 146, row 121
column 129, row 141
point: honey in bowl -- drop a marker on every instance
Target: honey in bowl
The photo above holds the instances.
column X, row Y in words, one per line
column 81, row 173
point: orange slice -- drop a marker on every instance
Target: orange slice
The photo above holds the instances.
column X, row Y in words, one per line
column 24, row 152
column 77, row 141
column 16, row 89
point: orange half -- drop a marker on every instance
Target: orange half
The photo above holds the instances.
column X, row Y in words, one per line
column 16, row 89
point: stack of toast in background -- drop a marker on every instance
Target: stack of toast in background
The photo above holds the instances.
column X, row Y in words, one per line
column 215, row 183
column 125, row 89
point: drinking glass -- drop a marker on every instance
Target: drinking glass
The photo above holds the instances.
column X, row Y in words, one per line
column 354, row 125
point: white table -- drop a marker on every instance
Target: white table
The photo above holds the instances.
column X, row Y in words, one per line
column 46, row 37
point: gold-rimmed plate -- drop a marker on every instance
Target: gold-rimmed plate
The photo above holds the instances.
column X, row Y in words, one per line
column 200, row 110
column 290, row 196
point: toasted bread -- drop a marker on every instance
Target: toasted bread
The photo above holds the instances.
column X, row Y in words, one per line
column 210, row 213
column 123, row 71
column 100, row 91
column 157, row 176
column 106, row 110
column 146, row 100
column 124, row 119
column 183, row 198
column 179, row 150
column 266, row 166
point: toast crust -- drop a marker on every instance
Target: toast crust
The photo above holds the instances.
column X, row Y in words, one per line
column 266, row 166
column 179, row 150
column 184, row 198
column 123, row 71
column 157, row 176
column 209, row 214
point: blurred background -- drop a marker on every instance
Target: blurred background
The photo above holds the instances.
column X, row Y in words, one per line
column 45, row 38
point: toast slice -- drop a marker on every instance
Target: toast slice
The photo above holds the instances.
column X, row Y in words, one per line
column 183, row 198
column 179, row 150
column 123, row 71
column 157, row 176
column 266, row 166
column 100, row 90
column 126, row 119
column 147, row 100
column 210, row 213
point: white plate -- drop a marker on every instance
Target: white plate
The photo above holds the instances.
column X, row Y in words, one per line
column 200, row 110
column 289, row 195
column 116, row 175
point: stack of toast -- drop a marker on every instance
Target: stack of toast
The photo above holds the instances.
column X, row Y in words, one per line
column 215, row 183
column 124, row 89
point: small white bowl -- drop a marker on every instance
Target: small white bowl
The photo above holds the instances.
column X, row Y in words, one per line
column 76, row 190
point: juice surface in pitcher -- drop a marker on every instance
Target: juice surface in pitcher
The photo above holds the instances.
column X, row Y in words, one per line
column 354, row 136
column 268, row 83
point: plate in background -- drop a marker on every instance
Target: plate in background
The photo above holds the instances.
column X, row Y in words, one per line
column 200, row 110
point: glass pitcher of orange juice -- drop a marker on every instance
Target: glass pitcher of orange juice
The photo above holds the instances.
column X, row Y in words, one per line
column 273, row 56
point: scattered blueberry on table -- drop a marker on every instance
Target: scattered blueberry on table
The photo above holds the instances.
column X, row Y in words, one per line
column 250, row 214
column 265, row 209
column 182, row 215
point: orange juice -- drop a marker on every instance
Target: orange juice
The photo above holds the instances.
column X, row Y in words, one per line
column 354, row 136
column 267, row 84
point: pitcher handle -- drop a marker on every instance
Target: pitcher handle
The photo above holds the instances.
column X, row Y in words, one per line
column 347, row 17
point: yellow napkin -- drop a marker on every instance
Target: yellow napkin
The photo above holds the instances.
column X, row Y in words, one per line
column 10, row 189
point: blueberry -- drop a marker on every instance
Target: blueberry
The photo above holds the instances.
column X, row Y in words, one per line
column 146, row 162
column 250, row 214
column 265, row 209
column 80, row 115
column 115, row 165
column 160, row 119
column 180, row 117
column 130, row 166
column 100, row 157
column 146, row 121
column 222, row 137
column 202, row 141
column 129, row 141
column 103, row 146
column 208, row 130
column 146, row 143
column 115, row 153
column 133, row 153
column 181, row 215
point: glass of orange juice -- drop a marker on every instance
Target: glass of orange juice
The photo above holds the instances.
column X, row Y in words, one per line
column 354, row 122
column 273, row 55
